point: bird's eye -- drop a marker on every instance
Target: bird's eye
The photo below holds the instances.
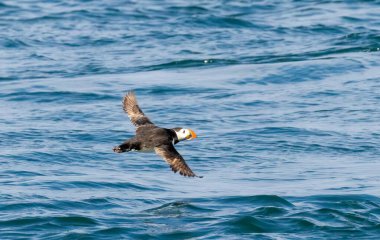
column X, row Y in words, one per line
column 183, row 131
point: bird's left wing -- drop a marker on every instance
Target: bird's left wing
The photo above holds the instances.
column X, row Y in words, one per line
column 130, row 106
column 175, row 160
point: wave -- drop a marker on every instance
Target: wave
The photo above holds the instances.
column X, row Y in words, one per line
column 57, row 96
column 13, row 43
column 312, row 216
column 190, row 63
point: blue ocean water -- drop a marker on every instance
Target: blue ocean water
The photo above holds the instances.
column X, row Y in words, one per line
column 284, row 97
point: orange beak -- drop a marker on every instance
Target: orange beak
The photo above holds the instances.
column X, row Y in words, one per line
column 192, row 135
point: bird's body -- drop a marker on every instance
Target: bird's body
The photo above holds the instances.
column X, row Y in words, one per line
column 150, row 137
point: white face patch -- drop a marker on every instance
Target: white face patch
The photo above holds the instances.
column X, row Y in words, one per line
column 183, row 134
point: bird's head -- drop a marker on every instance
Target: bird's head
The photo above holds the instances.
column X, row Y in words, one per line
column 184, row 134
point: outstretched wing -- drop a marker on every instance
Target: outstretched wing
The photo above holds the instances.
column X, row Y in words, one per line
column 174, row 159
column 133, row 110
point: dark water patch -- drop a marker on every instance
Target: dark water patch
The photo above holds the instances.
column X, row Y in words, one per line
column 57, row 97
column 37, row 156
column 324, row 54
column 8, row 78
column 269, row 200
column 290, row 131
column 111, row 232
column 178, row 208
column 249, row 80
column 327, row 147
column 172, row 90
column 269, row 211
column 346, row 200
column 324, row 29
column 4, row 5
column 191, row 63
column 103, row 42
column 224, row 22
column 29, row 223
column 44, row 18
column 224, row 95
column 40, row 57
column 109, row 185
column 298, row 74
column 94, row 185
column 191, row 9
column 74, row 220
column 13, row 43
column 323, row 94
column 28, row 206
column 178, row 235
column 370, row 39
column 63, row 15
column 259, row 103
column 87, row 204
column 22, row 173
column 247, row 224
column 22, row 221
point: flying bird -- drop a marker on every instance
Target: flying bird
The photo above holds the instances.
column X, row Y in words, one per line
column 151, row 138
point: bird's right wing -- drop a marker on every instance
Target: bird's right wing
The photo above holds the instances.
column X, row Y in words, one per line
column 175, row 160
column 133, row 110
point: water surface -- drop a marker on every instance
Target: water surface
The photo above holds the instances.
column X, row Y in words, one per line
column 284, row 97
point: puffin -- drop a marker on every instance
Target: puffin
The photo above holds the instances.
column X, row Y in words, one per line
column 151, row 138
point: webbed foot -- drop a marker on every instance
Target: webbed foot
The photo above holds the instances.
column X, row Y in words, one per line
column 118, row 149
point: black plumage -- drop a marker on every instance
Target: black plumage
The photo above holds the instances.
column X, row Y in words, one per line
column 150, row 137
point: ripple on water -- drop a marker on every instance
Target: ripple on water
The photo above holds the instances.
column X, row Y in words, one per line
column 57, row 97
column 216, row 217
